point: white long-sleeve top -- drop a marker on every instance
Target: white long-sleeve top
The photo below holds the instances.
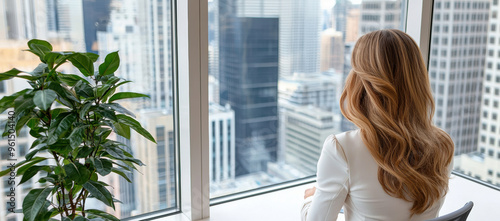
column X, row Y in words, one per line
column 347, row 175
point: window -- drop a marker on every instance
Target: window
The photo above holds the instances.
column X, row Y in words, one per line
column 470, row 57
column 144, row 41
column 261, row 80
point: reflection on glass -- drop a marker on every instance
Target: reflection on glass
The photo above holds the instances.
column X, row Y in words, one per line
column 141, row 31
column 276, row 69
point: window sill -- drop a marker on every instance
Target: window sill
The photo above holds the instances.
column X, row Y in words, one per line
column 285, row 204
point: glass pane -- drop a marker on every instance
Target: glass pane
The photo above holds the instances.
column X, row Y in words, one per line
column 276, row 71
column 464, row 73
column 141, row 32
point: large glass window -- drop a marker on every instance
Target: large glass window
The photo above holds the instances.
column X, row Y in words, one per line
column 276, row 72
column 470, row 75
column 141, row 32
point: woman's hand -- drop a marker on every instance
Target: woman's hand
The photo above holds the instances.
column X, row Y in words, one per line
column 309, row 192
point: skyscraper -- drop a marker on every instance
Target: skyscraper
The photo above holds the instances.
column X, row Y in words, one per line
column 485, row 163
column 381, row 14
column 457, row 59
column 21, row 20
column 249, row 79
column 332, row 50
column 299, row 36
column 222, row 145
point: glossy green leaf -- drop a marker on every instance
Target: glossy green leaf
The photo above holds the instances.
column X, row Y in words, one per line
column 125, row 95
column 110, row 65
column 76, row 136
column 32, row 171
column 93, row 57
column 77, row 172
column 102, row 166
column 83, row 63
column 63, row 92
column 8, row 101
column 85, row 109
column 34, row 202
column 44, row 98
column 25, row 165
column 102, row 214
column 84, row 151
column 107, row 113
column 99, row 192
column 24, row 103
column 71, row 79
column 121, row 173
column 132, row 123
column 62, row 125
column 83, row 89
column 118, row 108
column 121, row 129
column 39, row 70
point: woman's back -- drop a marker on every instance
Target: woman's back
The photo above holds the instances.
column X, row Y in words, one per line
column 347, row 176
column 367, row 199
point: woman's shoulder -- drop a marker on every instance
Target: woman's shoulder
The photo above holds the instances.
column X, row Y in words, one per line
column 349, row 138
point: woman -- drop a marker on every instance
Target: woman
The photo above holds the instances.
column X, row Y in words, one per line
column 397, row 165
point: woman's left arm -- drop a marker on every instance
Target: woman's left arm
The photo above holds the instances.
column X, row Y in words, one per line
column 332, row 184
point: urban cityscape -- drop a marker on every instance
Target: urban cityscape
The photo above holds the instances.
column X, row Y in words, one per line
column 276, row 73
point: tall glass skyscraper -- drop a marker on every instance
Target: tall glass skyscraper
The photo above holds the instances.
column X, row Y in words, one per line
column 249, row 83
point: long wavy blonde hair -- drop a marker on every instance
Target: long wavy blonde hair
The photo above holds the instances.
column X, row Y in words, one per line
column 388, row 96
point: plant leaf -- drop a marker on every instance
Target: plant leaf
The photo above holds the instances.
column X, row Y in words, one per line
column 125, row 95
column 76, row 136
column 39, row 48
column 83, row 63
column 102, row 166
column 99, row 192
column 38, row 71
column 61, row 126
column 34, row 202
column 77, row 172
column 71, row 79
column 118, row 108
column 28, row 164
column 121, row 173
column 110, row 65
column 132, row 123
column 44, row 98
column 121, row 129
column 102, row 214
column 84, row 89
column 32, row 171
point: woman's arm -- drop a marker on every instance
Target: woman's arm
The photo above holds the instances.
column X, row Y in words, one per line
column 332, row 184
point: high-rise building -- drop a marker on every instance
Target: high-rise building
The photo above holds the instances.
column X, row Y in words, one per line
column 304, row 130
column 156, row 182
column 352, row 24
column 332, row 50
column 248, row 56
column 381, row 14
column 340, row 12
column 20, row 20
column 155, row 25
column 95, row 18
column 485, row 163
column 318, row 90
column 69, row 19
column 457, row 59
column 299, row 36
column 222, row 145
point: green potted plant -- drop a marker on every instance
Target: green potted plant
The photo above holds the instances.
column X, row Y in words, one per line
column 71, row 118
